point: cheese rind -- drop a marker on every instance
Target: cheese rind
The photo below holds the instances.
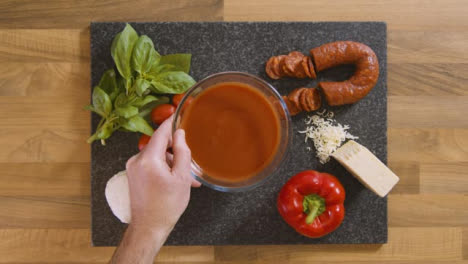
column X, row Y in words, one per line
column 366, row 167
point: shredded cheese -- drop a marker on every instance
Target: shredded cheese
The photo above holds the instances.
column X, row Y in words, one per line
column 326, row 134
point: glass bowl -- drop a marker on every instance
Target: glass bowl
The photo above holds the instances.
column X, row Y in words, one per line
column 285, row 130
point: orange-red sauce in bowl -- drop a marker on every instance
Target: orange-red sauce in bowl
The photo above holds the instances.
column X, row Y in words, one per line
column 232, row 130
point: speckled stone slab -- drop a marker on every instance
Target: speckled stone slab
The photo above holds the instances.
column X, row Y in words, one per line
column 216, row 218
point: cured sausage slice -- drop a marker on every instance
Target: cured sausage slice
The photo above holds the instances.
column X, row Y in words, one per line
column 303, row 99
column 313, row 99
column 295, row 64
column 270, row 68
column 293, row 110
column 313, row 75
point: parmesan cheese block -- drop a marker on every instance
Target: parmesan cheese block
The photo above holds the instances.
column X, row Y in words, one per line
column 366, row 167
column 118, row 197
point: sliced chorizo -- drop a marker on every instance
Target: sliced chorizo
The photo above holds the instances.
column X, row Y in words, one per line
column 347, row 52
column 270, row 68
column 292, row 61
column 313, row 99
column 303, row 99
column 293, row 110
column 313, row 75
column 276, row 65
column 293, row 97
column 305, row 66
column 295, row 64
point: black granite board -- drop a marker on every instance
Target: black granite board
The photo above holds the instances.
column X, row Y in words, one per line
column 216, row 218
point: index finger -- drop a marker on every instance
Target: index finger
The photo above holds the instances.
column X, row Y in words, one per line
column 182, row 156
column 160, row 140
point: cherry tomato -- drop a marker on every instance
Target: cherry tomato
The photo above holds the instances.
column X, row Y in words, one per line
column 144, row 139
column 178, row 98
column 162, row 112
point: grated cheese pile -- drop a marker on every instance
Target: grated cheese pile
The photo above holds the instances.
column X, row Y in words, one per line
column 326, row 133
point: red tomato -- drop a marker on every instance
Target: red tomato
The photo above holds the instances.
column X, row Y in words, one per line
column 162, row 112
column 144, row 139
column 178, row 97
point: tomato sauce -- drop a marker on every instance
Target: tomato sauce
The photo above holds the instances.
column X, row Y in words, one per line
column 232, row 130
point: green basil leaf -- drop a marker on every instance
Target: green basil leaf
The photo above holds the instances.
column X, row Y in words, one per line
column 175, row 82
column 160, row 68
column 121, row 84
column 159, row 88
column 103, row 132
column 141, row 85
column 180, row 60
column 144, row 55
column 141, row 101
column 121, row 50
column 102, row 103
column 146, row 109
column 108, row 83
column 123, row 106
column 89, row 108
column 121, row 100
column 126, row 111
column 137, row 124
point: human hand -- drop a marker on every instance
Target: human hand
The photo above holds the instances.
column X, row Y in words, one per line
column 159, row 183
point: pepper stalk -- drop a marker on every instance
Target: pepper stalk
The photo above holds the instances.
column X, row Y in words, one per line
column 314, row 205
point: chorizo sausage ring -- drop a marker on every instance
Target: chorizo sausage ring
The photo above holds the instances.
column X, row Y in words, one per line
column 347, row 52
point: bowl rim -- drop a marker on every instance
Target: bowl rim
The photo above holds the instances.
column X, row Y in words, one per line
column 288, row 122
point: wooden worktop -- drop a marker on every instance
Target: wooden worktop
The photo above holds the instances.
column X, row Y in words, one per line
column 44, row 84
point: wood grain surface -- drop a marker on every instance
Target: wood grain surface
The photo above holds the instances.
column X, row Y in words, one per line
column 44, row 159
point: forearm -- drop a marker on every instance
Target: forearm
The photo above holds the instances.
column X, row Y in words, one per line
column 139, row 246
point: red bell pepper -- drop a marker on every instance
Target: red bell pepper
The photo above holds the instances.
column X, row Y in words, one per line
column 312, row 203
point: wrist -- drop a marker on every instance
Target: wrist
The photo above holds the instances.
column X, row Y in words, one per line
column 139, row 244
column 147, row 232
